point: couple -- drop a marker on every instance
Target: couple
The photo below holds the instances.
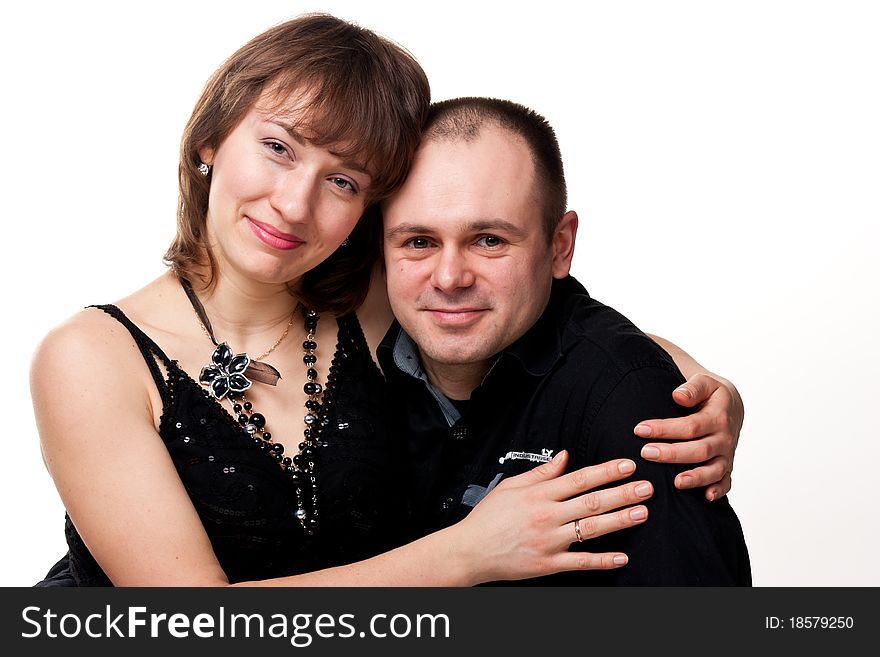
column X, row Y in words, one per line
column 229, row 423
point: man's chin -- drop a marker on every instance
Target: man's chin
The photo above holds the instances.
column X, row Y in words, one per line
column 465, row 353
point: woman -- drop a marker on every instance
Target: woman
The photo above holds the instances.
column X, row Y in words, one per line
column 181, row 459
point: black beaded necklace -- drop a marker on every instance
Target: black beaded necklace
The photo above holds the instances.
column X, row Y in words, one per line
column 228, row 377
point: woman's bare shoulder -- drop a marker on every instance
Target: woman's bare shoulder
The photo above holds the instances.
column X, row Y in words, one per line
column 89, row 350
column 91, row 342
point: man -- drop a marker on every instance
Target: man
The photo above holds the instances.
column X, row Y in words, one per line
column 503, row 359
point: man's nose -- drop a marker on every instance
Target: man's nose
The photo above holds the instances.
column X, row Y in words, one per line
column 452, row 271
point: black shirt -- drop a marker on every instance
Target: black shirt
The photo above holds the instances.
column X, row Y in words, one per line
column 580, row 379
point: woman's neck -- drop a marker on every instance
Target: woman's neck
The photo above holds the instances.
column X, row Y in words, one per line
column 245, row 313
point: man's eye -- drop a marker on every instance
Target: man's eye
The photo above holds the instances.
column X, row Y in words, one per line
column 418, row 243
column 490, row 241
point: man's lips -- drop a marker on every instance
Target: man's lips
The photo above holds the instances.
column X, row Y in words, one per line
column 273, row 237
column 455, row 316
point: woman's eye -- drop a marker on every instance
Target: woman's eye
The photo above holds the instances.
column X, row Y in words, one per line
column 345, row 184
column 276, row 147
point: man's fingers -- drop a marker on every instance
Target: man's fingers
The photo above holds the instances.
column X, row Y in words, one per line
column 588, row 478
column 540, row 473
column 695, row 390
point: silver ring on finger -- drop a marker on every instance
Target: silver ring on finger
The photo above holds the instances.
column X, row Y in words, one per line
column 577, row 531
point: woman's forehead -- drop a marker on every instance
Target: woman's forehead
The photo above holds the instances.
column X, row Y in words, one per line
column 306, row 116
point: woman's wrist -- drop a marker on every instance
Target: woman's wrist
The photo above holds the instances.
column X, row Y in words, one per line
column 457, row 565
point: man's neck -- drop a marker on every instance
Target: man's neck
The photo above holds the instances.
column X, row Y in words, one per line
column 456, row 380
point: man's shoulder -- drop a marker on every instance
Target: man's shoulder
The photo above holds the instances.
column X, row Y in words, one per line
column 597, row 332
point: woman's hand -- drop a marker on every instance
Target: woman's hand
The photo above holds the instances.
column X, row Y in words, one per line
column 525, row 525
column 712, row 434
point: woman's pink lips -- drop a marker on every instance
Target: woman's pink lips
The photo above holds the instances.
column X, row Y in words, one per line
column 273, row 237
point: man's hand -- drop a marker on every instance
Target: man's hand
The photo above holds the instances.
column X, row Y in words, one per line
column 711, row 433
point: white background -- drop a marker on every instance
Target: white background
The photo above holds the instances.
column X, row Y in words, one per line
column 723, row 157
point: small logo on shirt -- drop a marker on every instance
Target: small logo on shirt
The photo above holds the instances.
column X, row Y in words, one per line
column 545, row 456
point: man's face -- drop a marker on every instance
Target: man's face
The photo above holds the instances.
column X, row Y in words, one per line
column 467, row 261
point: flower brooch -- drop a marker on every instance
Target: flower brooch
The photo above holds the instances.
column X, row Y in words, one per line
column 227, row 372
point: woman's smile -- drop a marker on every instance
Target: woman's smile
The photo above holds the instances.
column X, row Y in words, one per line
column 272, row 237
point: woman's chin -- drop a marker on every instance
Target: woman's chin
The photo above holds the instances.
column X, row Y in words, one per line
column 271, row 272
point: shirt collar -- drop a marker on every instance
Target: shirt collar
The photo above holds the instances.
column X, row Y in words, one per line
column 405, row 354
column 541, row 346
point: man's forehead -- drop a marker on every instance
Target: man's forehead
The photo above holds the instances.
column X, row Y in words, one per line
column 495, row 152
column 468, row 172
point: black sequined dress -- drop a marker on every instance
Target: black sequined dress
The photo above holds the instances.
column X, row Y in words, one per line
column 245, row 500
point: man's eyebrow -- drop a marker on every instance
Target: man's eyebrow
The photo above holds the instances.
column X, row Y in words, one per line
column 297, row 136
column 488, row 225
column 408, row 229
column 481, row 226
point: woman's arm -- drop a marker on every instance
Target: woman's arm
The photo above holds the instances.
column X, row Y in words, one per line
column 522, row 529
column 712, row 433
column 375, row 314
column 90, row 388
column 96, row 418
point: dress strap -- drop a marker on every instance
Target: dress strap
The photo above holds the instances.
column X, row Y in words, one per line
column 351, row 335
column 149, row 349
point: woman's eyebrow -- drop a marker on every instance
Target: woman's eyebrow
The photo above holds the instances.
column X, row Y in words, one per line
column 297, row 136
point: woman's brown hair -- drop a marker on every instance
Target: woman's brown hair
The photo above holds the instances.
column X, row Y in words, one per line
column 366, row 96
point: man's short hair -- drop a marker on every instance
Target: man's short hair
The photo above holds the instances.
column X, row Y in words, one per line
column 463, row 118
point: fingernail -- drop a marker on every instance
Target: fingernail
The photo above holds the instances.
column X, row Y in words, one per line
column 684, row 391
column 643, row 430
column 686, row 481
column 650, row 452
column 713, row 496
column 639, row 513
column 620, row 560
column 625, row 467
column 643, row 490
column 558, row 456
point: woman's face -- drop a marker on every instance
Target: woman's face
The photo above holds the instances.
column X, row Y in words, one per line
column 279, row 205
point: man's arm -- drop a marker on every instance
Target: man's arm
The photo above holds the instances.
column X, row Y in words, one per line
column 711, row 434
column 686, row 541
